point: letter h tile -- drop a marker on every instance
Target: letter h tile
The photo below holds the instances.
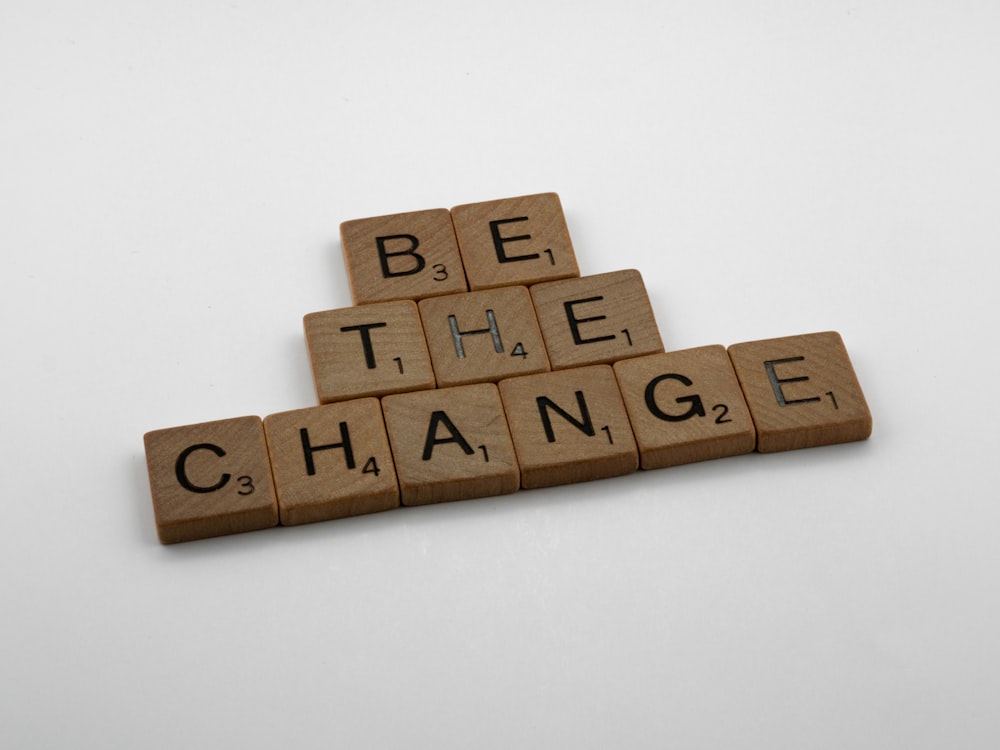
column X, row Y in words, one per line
column 483, row 336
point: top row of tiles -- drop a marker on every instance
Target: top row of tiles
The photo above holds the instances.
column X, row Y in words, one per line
column 420, row 254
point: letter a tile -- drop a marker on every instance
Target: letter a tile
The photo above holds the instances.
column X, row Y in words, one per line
column 450, row 444
column 369, row 350
column 514, row 241
column 331, row 461
column 802, row 391
column 402, row 256
column 210, row 479
column 685, row 406
column 569, row 426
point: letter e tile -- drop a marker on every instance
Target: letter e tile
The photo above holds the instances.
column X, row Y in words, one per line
column 331, row 461
column 450, row 444
column 569, row 426
column 514, row 241
column 685, row 406
column 210, row 479
column 596, row 319
column 802, row 391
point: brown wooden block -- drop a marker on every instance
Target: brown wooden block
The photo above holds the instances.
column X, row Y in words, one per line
column 331, row 461
column 596, row 319
column 483, row 336
column 802, row 391
column 450, row 444
column 370, row 350
column 514, row 241
column 402, row 256
column 210, row 479
column 569, row 426
column 685, row 406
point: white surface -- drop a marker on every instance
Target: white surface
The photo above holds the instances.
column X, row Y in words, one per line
column 172, row 178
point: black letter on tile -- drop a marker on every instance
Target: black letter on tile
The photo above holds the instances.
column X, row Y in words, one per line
column 182, row 477
column 574, row 322
column 432, row 439
column 499, row 241
column 583, row 424
column 384, row 255
column 697, row 408
column 366, row 340
column 308, row 449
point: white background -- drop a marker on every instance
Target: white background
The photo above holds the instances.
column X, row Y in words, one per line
column 172, row 178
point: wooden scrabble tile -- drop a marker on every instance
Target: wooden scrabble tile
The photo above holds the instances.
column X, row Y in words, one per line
column 483, row 336
column 210, row 479
column 802, row 391
column 685, row 406
column 596, row 319
column 450, row 444
column 514, row 241
column 331, row 461
column 370, row 350
column 402, row 256
column 569, row 426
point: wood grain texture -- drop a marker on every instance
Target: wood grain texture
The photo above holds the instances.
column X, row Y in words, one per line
column 483, row 336
column 210, row 479
column 331, row 461
column 685, row 406
column 370, row 350
column 450, row 444
column 569, row 426
column 596, row 319
column 402, row 256
column 513, row 241
column 802, row 391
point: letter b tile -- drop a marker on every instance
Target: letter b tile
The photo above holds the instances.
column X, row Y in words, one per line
column 402, row 256
column 802, row 391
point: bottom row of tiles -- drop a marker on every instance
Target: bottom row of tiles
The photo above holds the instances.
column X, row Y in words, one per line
column 369, row 455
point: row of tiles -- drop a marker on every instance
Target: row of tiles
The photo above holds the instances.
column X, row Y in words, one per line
column 418, row 254
column 366, row 455
column 480, row 336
